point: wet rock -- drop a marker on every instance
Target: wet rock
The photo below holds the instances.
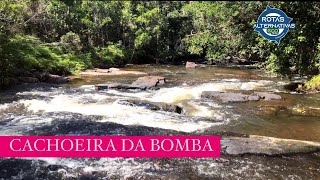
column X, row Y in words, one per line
column 156, row 106
column 263, row 145
column 56, row 79
column 117, row 86
column 28, row 79
column 190, row 65
column 253, row 98
column 228, row 97
column 268, row 96
column 239, row 97
column 87, row 177
column 149, row 81
column 53, row 167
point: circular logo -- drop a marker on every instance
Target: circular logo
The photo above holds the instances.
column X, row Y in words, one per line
column 273, row 24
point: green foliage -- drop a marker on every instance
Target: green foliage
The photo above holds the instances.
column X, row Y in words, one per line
column 90, row 32
column 314, row 83
column 111, row 53
column 71, row 42
column 22, row 54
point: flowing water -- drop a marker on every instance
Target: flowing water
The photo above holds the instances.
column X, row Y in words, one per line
column 78, row 109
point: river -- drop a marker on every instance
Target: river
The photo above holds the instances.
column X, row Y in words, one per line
column 77, row 108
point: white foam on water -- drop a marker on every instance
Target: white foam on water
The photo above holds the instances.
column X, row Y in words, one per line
column 176, row 94
column 117, row 113
column 118, row 167
column 4, row 106
column 108, row 107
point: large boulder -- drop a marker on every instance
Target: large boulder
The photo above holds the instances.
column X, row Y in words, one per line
column 266, row 145
column 228, row 97
column 55, row 79
column 149, row 81
column 191, row 65
column 156, row 106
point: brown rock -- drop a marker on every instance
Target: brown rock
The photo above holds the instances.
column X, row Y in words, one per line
column 149, row 81
column 191, row 65
column 266, row 145
column 156, row 106
column 228, row 97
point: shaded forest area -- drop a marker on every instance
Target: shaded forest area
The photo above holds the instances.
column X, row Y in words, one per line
column 64, row 37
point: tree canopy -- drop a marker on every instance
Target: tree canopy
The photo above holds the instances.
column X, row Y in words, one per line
column 68, row 35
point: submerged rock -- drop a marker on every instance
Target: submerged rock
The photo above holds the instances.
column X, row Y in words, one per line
column 238, row 97
column 156, row 106
column 149, row 81
column 266, row 145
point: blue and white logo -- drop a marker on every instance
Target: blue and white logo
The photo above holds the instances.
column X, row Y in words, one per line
column 273, row 24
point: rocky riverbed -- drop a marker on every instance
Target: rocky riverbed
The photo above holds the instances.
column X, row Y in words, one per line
column 266, row 130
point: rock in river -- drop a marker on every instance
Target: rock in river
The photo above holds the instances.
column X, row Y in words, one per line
column 266, row 145
column 149, row 81
column 268, row 96
column 228, row 97
column 190, row 65
column 145, row 82
column 238, row 97
column 116, row 86
column 156, row 106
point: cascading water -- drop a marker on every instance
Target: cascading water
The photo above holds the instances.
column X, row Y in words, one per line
column 80, row 109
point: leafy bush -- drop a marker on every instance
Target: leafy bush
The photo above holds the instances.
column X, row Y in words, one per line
column 71, row 42
column 113, row 53
column 314, row 83
column 23, row 54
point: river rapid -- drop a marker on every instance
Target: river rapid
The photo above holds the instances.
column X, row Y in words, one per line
column 77, row 108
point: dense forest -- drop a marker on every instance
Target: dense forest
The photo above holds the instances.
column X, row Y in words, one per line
column 64, row 37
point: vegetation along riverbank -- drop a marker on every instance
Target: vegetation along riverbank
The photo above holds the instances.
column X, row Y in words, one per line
column 42, row 38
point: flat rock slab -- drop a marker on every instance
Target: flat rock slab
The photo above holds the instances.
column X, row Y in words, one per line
column 263, row 145
column 226, row 97
column 116, row 86
column 110, row 71
column 149, row 81
column 268, row 96
column 156, row 106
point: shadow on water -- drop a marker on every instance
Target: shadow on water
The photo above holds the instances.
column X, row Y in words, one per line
column 77, row 124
